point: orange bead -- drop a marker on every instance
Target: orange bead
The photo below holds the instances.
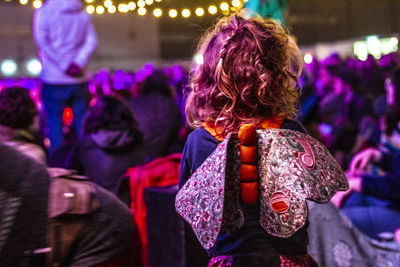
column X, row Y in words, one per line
column 247, row 134
column 249, row 192
column 248, row 173
column 248, row 154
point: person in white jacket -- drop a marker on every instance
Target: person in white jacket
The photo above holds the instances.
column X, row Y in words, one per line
column 65, row 38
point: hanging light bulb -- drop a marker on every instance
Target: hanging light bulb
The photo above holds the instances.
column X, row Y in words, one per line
column 123, row 8
column 141, row 3
column 199, row 11
column 157, row 12
column 100, row 10
column 90, row 9
column 185, row 13
column 37, row 4
column 142, row 11
column 212, row 10
column 173, row 13
column 132, row 5
column 112, row 9
column 108, row 3
column 224, row 6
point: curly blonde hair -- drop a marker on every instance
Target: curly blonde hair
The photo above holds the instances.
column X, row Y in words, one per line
column 250, row 72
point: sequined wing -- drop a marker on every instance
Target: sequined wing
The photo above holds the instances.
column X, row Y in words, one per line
column 293, row 167
column 201, row 200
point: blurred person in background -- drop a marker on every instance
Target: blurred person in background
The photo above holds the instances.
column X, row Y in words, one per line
column 19, row 122
column 158, row 116
column 65, row 38
column 111, row 143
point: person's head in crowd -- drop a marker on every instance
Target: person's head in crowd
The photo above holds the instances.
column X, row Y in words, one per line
column 156, row 82
column 324, row 82
column 392, row 120
column 17, row 109
column 387, row 63
column 250, row 72
column 392, row 87
column 110, row 114
column 344, row 81
column 332, row 60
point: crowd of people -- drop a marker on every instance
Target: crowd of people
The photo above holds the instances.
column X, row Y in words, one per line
column 134, row 117
column 104, row 127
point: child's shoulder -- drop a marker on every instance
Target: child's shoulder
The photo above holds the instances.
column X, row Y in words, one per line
column 201, row 135
column 292, row 124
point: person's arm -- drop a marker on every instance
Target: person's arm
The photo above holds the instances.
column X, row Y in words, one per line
column 387, row 186
column 40, row 30
column 360, row 161
column 185, row 169
column 88, row 47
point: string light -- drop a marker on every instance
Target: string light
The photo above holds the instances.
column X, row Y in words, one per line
column 199, row 11
column 141, row 3
column 224, row 6
column 37, row 4
column 90, row 9
column 212, row 10
column 108, row 3
column 221, row 6
column 132, row 5
column 173, row 13
column 185, row 13
column 157, row 12
column 142, row 11
column 99, row 10
column 123, row 8
column 112, row 9
column 236, row 3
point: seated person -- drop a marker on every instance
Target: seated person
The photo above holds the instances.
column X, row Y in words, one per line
column 19, row 122
column 111, row 144
column 372, row 203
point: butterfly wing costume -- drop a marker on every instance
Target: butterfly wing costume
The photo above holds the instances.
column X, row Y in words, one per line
column 292, row 167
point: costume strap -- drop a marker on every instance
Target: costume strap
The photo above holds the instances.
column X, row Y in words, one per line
column 248, row 152
column 268, row 123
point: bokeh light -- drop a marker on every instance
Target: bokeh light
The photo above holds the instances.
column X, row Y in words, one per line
column 199, row 11
column 224, row 6
column 157, row 12
column 100, row 10
column 34, row 67
column 142, row 11
column 131, row 5
column 212, row 10
column 37, row 4
column 123, row 8
column 185, row 13
column 8, row 67
column 90, row 9
column 173, row 13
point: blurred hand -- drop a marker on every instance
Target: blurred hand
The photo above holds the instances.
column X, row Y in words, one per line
column 360, row 161
column 74, row 70
column 339, row 197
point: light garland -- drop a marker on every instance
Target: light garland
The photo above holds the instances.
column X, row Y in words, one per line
column 141, row 6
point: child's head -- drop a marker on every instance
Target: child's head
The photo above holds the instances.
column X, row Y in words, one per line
column 249, row 73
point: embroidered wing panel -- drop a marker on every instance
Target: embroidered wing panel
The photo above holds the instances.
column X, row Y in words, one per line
column 293, row 167
column 201, row 200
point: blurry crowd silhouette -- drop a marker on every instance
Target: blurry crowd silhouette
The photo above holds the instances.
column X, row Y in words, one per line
column 136, row 118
